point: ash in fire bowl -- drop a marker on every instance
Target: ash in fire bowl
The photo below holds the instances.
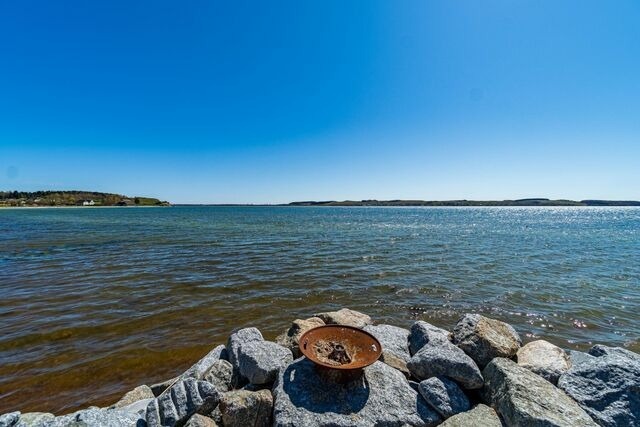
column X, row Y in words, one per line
column 340, row 347
column 333, row 353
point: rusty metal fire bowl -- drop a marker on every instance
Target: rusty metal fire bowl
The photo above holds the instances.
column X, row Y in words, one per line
column 340, row 353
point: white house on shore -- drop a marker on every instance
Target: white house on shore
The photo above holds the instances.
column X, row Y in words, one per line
column 88, row 203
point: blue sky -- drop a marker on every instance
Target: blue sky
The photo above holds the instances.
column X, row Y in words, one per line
column 205, row 101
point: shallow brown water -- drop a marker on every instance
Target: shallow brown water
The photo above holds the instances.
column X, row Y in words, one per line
column 97, row 301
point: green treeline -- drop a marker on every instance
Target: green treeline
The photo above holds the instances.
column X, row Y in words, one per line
column 74, row 198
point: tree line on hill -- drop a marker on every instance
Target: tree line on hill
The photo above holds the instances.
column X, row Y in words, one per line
column 74, row 198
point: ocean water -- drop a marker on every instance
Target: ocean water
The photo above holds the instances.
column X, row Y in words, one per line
column 95, row 301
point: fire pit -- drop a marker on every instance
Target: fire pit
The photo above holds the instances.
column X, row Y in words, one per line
column 340, row 352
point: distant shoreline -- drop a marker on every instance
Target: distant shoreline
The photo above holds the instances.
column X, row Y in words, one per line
column 80, row 207
column 73, row 198
column 88, row 199
column 439, row 203
column 306, row 206
column 452, row 203
column 292, row 205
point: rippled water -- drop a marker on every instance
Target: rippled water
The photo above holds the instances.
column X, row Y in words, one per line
column 96, row 301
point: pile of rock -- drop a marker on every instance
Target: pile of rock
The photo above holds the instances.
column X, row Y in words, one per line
column 478, row 375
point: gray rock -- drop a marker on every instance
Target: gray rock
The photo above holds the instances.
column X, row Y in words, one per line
column 392, row 338
column 98, row 417
column 236, row 340
column 139, row 393
column 523, row 398
column 139, row 407
column 600, row 350
column 198, row 420
column 483, row 338
column 444, row 396
column 382, row 397
column 239, row 338
column 445, row 359
column 158, row 388
column 260, row 361
column 480, row 416
column 576, row 356
column 242, row 408
column 177, row 404
column 198, row 370
column 35, row 419
column 9, row 419
column 291, row 337
column 115, row 417
column 545, row 359
column 345, row 317
column 220, row 374
column 395, row 362
column 606, row 384
column 216, row 415
column 422, row 333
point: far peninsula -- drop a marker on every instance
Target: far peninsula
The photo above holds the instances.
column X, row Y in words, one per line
column 73, row 198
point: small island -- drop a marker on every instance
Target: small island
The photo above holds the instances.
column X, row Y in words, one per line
column 73, row 198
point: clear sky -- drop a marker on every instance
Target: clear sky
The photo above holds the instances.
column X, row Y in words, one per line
column 205, row 101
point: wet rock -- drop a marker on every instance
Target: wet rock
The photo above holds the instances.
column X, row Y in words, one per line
column 158, row 388
column 606, row 384
column 198, row 370
column 480, row 416
column 35, row 419
column 444, row 396
column 97, row 417
column 177, row 404
column 291, row 337
column 220, row 374
column 395, row 362
column 346, row 317
column 198, row 420
column 445, row 359
column 392, row 338
column 260, row 361
column 9, row 419
column 545, row 359
column 523, row 398
column 483, row 338
column 138, row 393
column 422, row 333
column 242, row 408
column 382, row 397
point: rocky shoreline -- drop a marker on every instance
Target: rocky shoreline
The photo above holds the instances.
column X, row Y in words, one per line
column 479, row 374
